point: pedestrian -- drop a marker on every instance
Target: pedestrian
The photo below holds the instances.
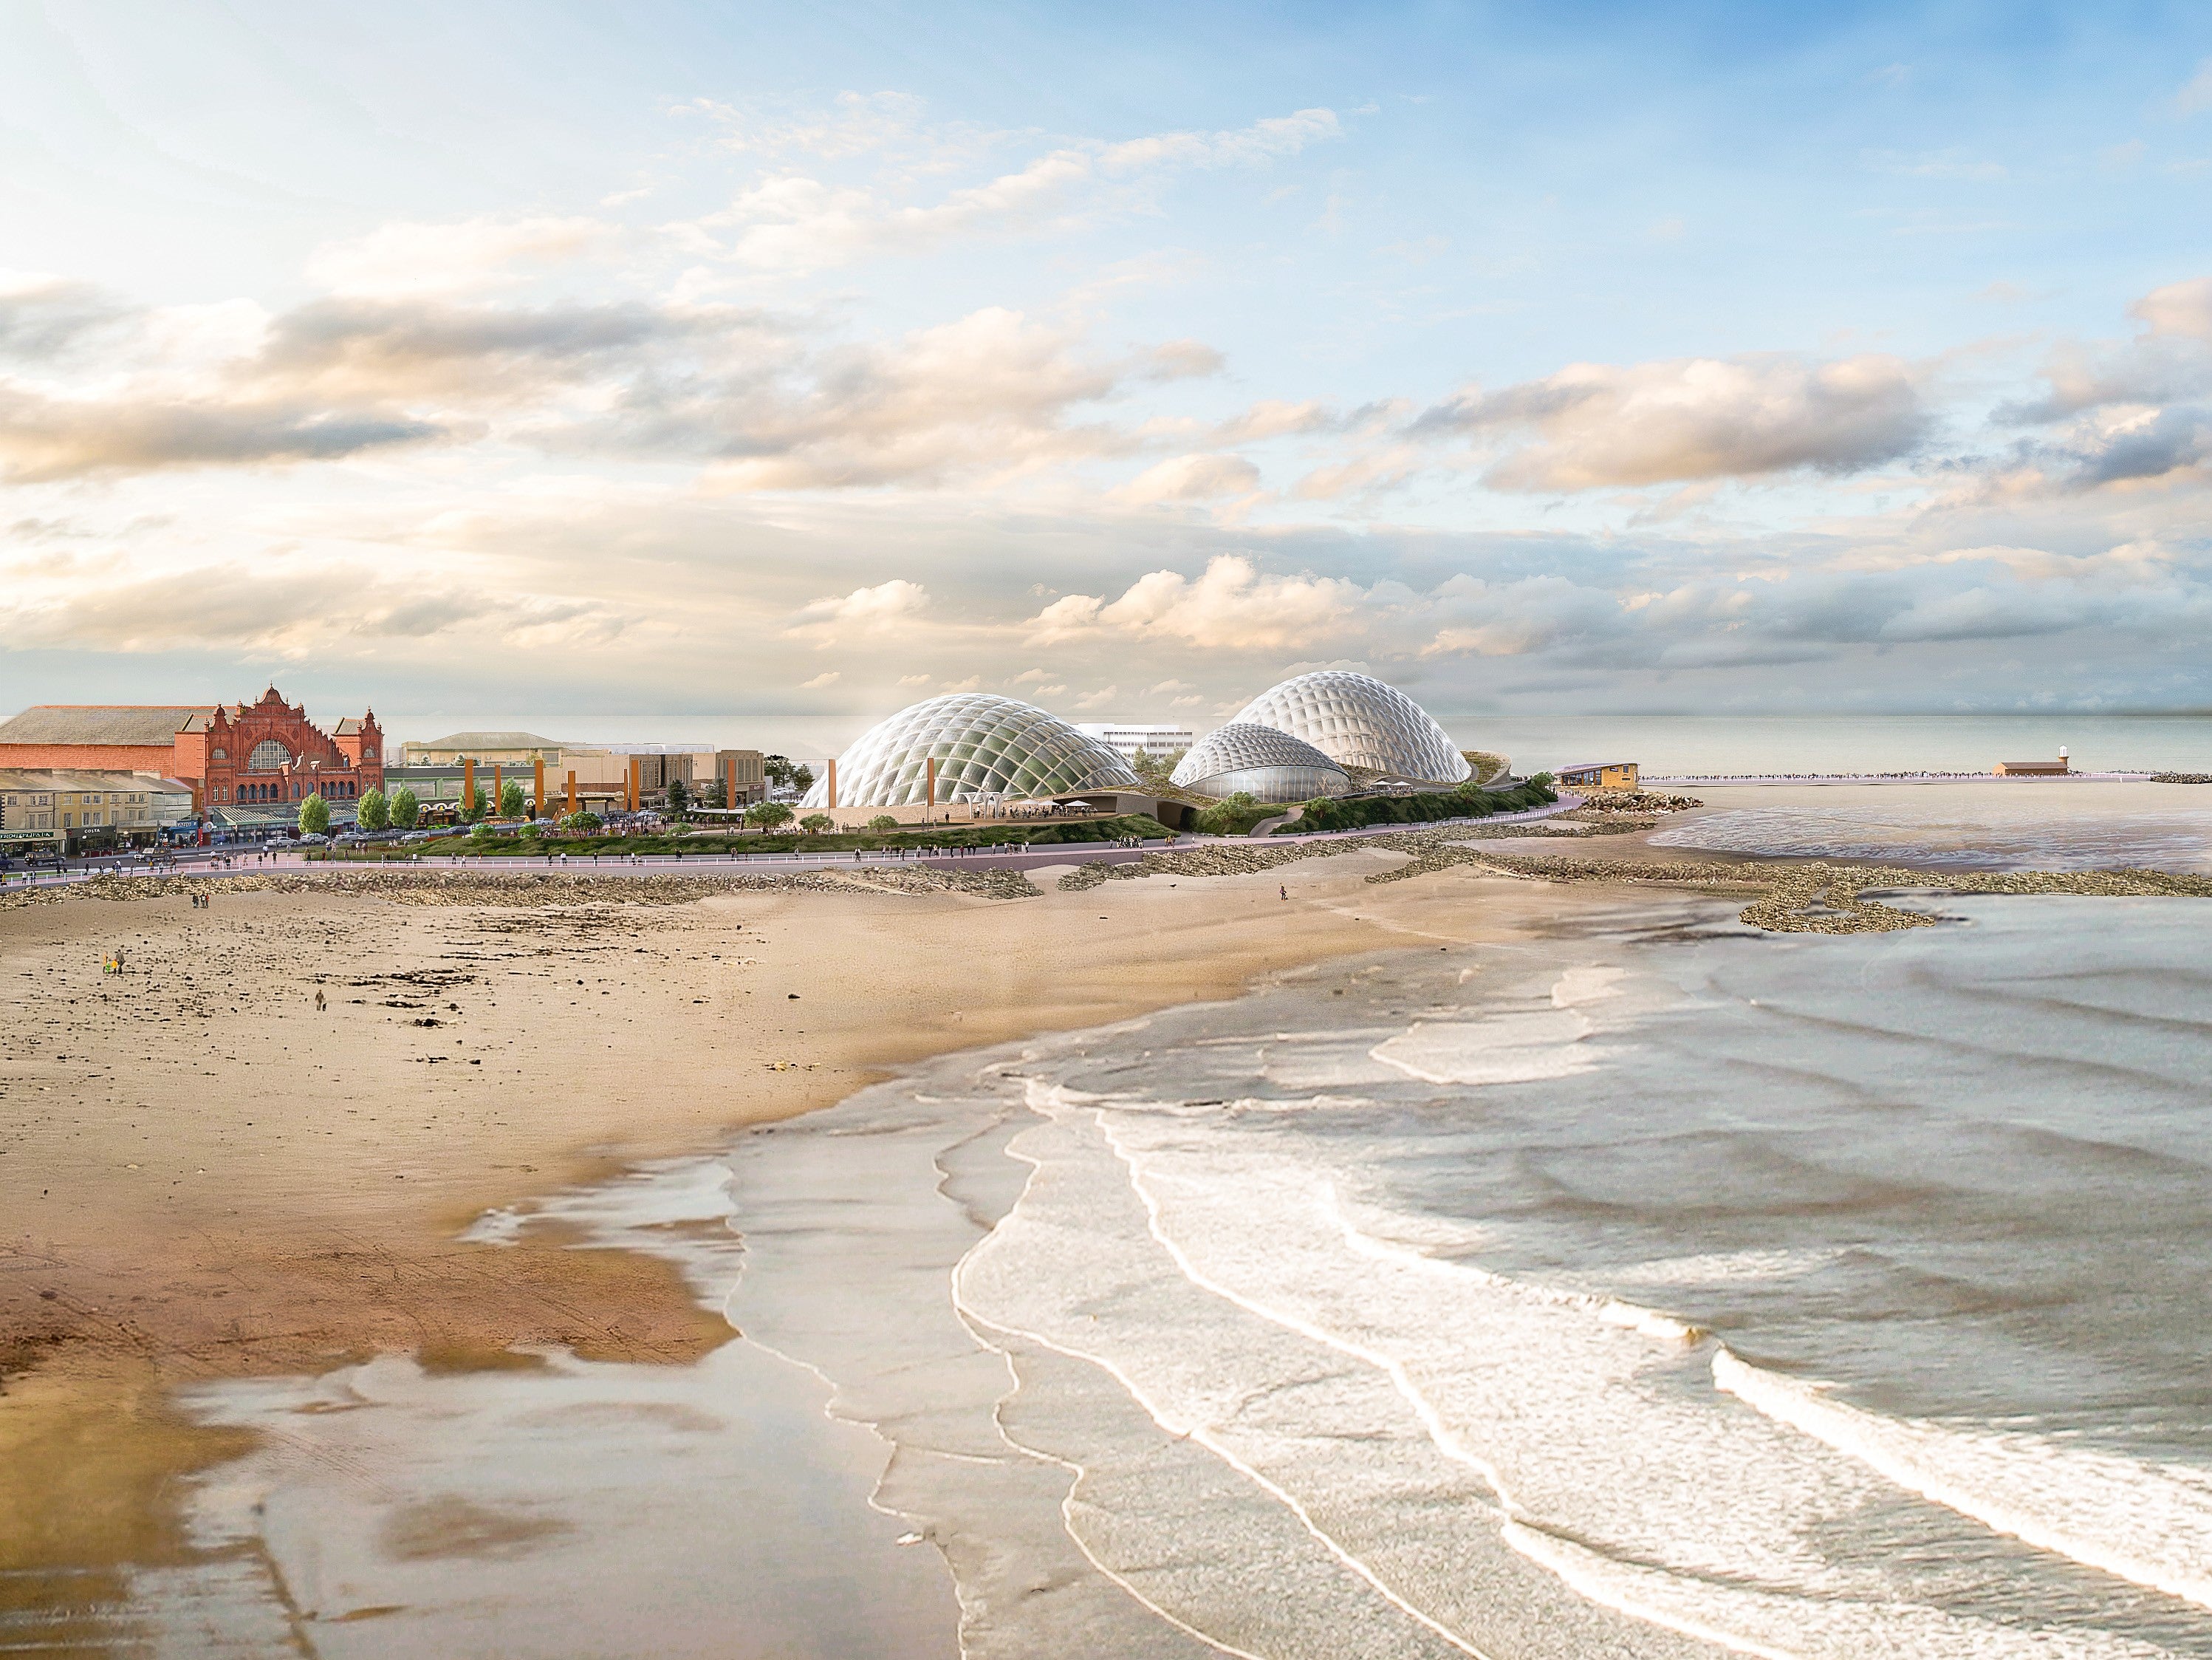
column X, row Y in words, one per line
column 318, row 1000
column 1284, row 889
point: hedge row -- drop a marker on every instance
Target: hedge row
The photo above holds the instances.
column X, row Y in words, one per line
column 1357, row 812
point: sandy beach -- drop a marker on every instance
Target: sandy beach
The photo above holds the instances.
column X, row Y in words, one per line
column 207, row 1175
column 202, row 1175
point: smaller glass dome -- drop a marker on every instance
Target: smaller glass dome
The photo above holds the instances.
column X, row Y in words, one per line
column 1265, row 763
column 1359, row 721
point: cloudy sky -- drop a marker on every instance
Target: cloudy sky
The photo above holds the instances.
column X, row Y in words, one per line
column 699, row 359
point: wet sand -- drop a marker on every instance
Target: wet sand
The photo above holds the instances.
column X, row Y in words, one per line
column 203, row 1175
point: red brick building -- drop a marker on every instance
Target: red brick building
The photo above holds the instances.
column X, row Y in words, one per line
column 236, row 755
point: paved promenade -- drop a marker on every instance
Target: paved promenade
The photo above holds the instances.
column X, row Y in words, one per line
column 216, row 862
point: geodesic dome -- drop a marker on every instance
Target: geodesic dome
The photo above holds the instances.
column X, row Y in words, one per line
column 1266, row 763
column 1359, row 722
column 983, row 744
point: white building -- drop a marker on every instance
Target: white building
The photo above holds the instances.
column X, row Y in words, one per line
column 1127, row 740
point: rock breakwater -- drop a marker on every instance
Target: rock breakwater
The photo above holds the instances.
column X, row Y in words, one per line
column 1789, row 899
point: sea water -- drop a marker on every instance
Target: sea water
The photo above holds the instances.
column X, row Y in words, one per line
column 1655, row 1287
column 2021, row 824
column 1660, row 1288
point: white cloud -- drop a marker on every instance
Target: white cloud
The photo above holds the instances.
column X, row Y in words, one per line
column 828, row 676
column 2197, row 94
column 2183, row 309
column 796, row 223
column 991, row 393
column 1193, row 478
column 1597, row 425
column 872, row 610
column 454, row 256
column 1232, row 605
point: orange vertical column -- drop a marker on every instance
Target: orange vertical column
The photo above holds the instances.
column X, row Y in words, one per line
column 495, row 789
column 933, row 783
column 572, row 790
column 833, row 785
column 468, row 785
column 731, row 779
column 636, row 780
column 536, row 787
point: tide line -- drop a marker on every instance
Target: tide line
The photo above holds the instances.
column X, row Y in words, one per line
column 1198, row 1433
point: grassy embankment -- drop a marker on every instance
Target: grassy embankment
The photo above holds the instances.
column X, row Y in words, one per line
column 936, row 835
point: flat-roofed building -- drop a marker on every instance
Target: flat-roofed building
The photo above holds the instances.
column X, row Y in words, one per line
column 1129, row 739
column 705, row 773
column 72, row 811
column 737, row 778
column 602, row 774
column 1599, row 775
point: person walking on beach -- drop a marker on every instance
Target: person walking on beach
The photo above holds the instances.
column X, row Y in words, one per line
column 318, row 1000
column 1283, row 889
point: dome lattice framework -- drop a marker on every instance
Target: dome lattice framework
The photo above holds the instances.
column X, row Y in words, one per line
column 1265, row 763
column 1356, row 721
column 983, row 744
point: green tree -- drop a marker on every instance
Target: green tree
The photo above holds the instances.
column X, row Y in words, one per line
column 475, row 803
column 581, row 821
column 802, row 779
column 767, row 814
column 315, row 816
column 374, row 813
column 1233, row 816
column 679, row 798
column 1155, row 771
column 404, row 810
column 776, row 768
column 883, row 821
column 814, row 823
column 510, row 799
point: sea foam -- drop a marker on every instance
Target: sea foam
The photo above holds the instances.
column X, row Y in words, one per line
column 1506, row 1049
column 2149, row 1523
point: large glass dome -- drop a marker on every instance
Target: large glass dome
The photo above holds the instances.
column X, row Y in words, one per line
column 1359, row 722
column 983, row 744
column 1266, row 764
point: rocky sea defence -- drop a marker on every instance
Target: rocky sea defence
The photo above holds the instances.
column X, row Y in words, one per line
column 1816, row 897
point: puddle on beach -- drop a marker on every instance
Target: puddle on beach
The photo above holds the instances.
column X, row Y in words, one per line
column 573, row 1509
